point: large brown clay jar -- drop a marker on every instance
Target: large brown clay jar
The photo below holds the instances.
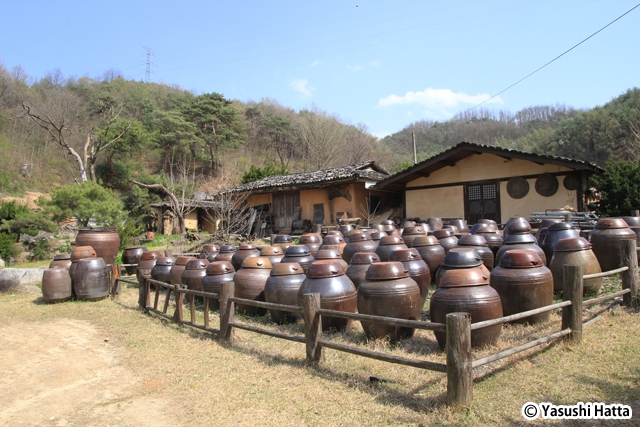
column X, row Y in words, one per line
column 467, row 290
column 226, row 253
column 175, row 275
column 299, row 254
column 463, row 227
column 333, row 241
column 516, row 225
column 78, row 253
column 523, row 283
column 282, row 287
column 161, row 271
column 417, row 268
column 389, row 244
column 634, row 224
column 312, row 241
column 274, row 253
column 544, row 227
column 478, row 243
column 555, row 232
column 575, row 251
column 91, row 281
column 61, row 260
column 56, row 284
column 389, row 291
column 605, row 241
column 435, row 223
column 388, row 226
column 431, row 252
column 282, row 240
column 520, row 241
column 146, row 263
column 131, row 255
column 410, row 233
column 331, row 255
column 105, row 241
column 446, row 239
column 217, row 274
column 250, row 281
column 193, row 273
column 491, row 235
column 209, row 252
column 243, row 252
column 358, row 242
column 460, row 258
column 360, row 262
column 337, row 292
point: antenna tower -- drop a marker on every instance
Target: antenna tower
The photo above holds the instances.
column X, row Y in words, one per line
column 148, row 63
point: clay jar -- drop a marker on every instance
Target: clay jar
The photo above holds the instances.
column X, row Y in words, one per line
column 61, row 260
column 435, row 223
column 274, row 253
column 299, row 254
column 410, row 233
column 217, row 274
column 634, row 224
column 478, row 243
column 333, row 241
column 575, row 251
column 467, row 290
column 460, row 258
column 389, row 244
column 389, row 291
column 282, row 287
column 463, row 228
column 358, row 242
column 490, row 234
column 312, row 241
column 250, row 281
column 388, row 227
column 345, row 229
column 417, row 268
column 282, row 240
column 332, row 255
column 175, row 275
column 523, row 283
column 520, row 241
column 446, row 239
column 146, row 263
column 337, row 292
column 105, row 241
column 193, row 273
column 56, row 284
column 360, row 262
column 605, row 241
column 544, row 227
column 431, row 252
column 209, row 252
column 243, row 252
column 78, row 253
column 161, row 271
column 555, row 232
column 516, row 225
column 131, row 255
column 91, row 280
column 226, row 253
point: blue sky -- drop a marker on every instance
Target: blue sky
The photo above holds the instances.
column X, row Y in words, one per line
column 385, row 64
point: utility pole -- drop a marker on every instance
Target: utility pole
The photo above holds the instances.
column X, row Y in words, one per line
column 415, row 155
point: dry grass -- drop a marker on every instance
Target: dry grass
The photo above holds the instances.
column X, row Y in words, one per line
column 264, row 381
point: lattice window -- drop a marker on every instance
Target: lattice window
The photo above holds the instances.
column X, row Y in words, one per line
column 475, row 192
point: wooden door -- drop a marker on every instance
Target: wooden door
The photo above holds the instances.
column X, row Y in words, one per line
column 318, row 214
column 284, row 205
column 482, row 201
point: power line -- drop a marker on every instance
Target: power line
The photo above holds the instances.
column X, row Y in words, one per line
column 554, row 59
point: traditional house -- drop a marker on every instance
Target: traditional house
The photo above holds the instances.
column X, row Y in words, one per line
column 473, row 181
column 198, row 215
column 320, row 197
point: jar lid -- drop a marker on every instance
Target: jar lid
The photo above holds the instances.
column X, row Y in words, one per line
column 148, row 256
column 377, row 235
column 518, row 225
column 472, row 240
column 442, row 233
column 547, row 222
column 310, row 238
column 387, row 222
column 197, row 264
column 328, row 254
column 216, row 268
column 297, row 250
column 464, row 257
column 386, row 270
column 405, row 254
column 335, row 233
column 453, row 228
column 391, row 240
column 62, row 256
column 425, row 241
column 484, row 228
column 210, row 248
column 165, row 260
column 364, row 258
column 271, row 251
column 325, row 268
column 333, row 239
column 144, row 248
column 463, row 277
column 286, row 269
column 611, row 223
column 632, row 221
column 99, row 229
column 247, row 247
column 572, row 244
column 282, row 238
column 512, row 239
column 228, row 248
column 561, row 226
column 359, row 236
column 415, row 230
column 182, row 260
column 256, row 262
column 521, row 258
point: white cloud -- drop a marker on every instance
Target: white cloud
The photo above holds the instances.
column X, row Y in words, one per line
column 302, row 86
column 439, row 102
column 315, row 63
column 354, row 67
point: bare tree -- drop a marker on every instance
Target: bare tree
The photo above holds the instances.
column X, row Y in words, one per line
column 633, row 145
column 367, row 213
column 230, row 215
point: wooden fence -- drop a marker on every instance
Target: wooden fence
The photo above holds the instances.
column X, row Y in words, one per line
column 459, row 362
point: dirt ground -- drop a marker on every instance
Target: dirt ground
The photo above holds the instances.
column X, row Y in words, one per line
column 66, row 370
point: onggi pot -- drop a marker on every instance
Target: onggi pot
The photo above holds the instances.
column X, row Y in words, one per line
column 389, row 244
column 299, row 254
column 478, row 243
column 131, row 255
column 332, row 255
column 105, row 241
column 61, row 260
column 333, row 241
column 446, row 238
column 555, row 232
column 161, row 271
column 56, row 284
column 193, row 273
column 91, row 281
column 410, row 233
column 360, row 262
column 358, row 242
column 226, row 253
column 575, row 251
column 605, row 241
column 431, row 252
column 250, row 281
column 312, row 241
column 282, row 287
column 175, row 274
column 417, row 268
column 217, row 274
column 243, row 252
column 274, row 253
column 521, row 241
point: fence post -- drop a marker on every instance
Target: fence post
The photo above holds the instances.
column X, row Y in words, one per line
column 312, row 327
column 147, row 292
column 177, row 315
column 572, row 291
column 459, row 363
column 227, row 311
column 142, row 274
column 629, row 257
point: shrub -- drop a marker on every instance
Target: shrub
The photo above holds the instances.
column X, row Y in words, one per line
column 7, row 246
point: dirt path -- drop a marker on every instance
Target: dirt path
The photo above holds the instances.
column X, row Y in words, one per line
column 64, row 373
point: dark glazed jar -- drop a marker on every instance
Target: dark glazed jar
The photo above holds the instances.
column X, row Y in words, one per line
column 193, row 273
column 523, row 283
column 463, row 228
column 161, row 271
column 389, row 244
column 417, row 268
column 388, row 227
column 605, row 241
column 555, row 232
column 175, row 275
column 105, row 241
column 91, row 281
column 431, row 252
column 333, row 241
column 337, row 292
column 490, row 234
column 467, row 290
column 575, row 251
column 78, row 253
column 410, row 233
column 332, row 255
column 389, row 291
column 282, row 288
column 146, row 263
column 360, row 262
column 478, row 243
column 282, row 240
column 226, row 253
column 299, row 254
column 274, row 253
column 446, row 239
column 209, row 252
column 634, row 224
column 460, row 258
column 61, row 260
column 516, row 225
column 544, row 227
column 243, row 252
column 345, row 229
column 131, row 255
column 435, row 223
column 486, row 226
column 56, row 284
column 358, row 242
column 250, row 281
column 217, row 274
column 312, row 241
column 520, row 241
